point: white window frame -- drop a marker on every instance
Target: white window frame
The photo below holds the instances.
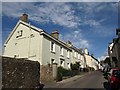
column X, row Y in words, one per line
column 63, row 63
column 68, row 54
column 61, row 50
column 75, row 53
column 79, row 56
column 52, row 60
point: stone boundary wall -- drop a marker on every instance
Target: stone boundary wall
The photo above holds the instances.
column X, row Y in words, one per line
column 48, row 72
column 20, row 73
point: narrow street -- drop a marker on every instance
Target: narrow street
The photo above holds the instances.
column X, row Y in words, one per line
column 92, row 80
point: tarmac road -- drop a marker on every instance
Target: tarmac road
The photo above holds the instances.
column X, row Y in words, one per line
column 89, row 81
column 92, row 80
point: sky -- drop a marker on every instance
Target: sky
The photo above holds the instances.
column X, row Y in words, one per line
column 89, row 25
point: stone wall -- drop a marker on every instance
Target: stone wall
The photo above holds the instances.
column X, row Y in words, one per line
column 20, row 73
column 48, row 72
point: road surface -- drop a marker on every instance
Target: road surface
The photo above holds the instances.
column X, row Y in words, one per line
column 92, row 81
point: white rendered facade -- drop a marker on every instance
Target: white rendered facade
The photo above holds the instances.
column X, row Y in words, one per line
column 27, row 41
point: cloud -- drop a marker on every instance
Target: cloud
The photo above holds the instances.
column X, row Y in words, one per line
column 102, row 58
column 105, row 54
column 92, row 12
column 70, row 15
column 76, row 38
column 66, row 16
column 19, row 0
column 0, row 28
column 99, row 17
column 60, row 0
column 57, row 13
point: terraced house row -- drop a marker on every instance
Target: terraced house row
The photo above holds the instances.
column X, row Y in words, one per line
column 28, row 41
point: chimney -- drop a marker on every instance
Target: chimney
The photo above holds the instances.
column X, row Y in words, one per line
column 24, row 17
column 69, row 43
column 55, row 34
column 81, row 50
column 86, row 51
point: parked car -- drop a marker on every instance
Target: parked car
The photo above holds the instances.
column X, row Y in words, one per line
column 114, row 78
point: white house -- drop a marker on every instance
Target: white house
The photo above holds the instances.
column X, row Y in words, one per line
column 28, row 41
column 90, row 60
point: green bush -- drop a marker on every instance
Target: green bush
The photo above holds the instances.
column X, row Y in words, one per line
column 59, row 76
column 65, row 72
column 61, row 72
column 75, row 66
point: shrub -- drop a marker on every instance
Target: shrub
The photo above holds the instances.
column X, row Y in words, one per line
column 59, row 76
column 61, row 72
column 75, row 66
column 65, row 72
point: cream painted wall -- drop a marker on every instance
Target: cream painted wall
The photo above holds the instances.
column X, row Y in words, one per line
column 34, row 46
column 75, row 58
column 88, row 60
column 91, row 62
column 25, row 46
column 47, row 55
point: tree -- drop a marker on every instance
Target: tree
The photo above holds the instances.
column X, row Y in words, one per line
column 107, row 60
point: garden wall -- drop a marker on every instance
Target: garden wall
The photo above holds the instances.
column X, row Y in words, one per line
column 20, row 73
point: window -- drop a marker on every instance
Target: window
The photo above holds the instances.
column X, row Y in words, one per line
column 68, row 64
column 75, row 54
column 81, row 57
column 61, row 50
column 68, row 54
column 52, row 61
column 62, row 62
column 78, row 56
column 52, row 47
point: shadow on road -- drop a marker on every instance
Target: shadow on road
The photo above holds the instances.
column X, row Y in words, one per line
column 106, row 86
